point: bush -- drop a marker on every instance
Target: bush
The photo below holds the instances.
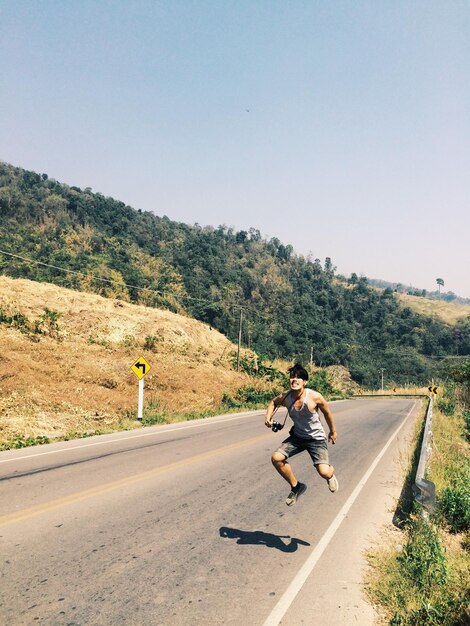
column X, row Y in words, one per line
column 15, row 320
column 447, row 611
column 48, row 324
column 461, row 374
column 251, row 395
column 229, row 402
column 446, row 406
column 320, row 382
column 24, row 442
column 154, row 418
column 454, row 503
column 422, row 557
column 253, row 365
column 151, row 342
column 248, row 397
column 466, row 419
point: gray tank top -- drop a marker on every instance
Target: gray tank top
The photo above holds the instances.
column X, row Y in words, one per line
column 306, row 423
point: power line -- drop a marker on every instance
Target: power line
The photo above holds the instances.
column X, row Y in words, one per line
column 207, row 303
column 109, row 280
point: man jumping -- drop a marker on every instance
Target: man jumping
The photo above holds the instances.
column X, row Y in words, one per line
column 307, row 433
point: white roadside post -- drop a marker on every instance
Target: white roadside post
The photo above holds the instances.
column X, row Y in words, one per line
column 140, row 403
column 140, row 368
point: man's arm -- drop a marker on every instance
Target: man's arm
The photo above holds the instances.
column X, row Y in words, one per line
column 272, row 406
column 325, row 409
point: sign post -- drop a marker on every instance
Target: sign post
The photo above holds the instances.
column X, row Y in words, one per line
column 140, row 368
column 140, row 403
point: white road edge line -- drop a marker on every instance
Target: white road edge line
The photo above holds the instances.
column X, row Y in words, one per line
column 299, row 580
column 122, row 439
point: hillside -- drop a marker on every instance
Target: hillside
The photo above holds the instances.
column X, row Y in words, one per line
column 293, row 308
column 75, row 374
column 448, row 312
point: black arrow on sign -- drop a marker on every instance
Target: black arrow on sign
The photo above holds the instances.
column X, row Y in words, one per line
column 142, row 366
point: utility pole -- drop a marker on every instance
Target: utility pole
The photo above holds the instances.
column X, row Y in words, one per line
column 239, row 339
column 311, row 358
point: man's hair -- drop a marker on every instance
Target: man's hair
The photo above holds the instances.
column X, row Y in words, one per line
column 297, row 371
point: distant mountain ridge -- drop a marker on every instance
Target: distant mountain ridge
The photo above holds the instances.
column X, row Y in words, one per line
column 282, row 304
column 447, row 296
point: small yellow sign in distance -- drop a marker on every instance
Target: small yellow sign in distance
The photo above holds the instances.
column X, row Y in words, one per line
column 434, row 390
column 141, row 367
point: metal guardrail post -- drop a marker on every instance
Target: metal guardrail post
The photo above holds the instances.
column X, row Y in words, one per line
column 424, row 490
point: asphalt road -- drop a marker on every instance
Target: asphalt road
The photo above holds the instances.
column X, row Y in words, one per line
column 186, row 524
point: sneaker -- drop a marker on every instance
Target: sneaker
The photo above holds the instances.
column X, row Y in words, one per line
column 333, row 484
column 296, row 493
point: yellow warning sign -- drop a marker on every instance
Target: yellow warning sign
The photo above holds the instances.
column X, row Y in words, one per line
column 141, row 367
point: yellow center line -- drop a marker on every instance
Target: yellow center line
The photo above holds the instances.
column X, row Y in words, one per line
column 79, row 496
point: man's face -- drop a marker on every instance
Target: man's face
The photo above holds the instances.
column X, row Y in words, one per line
column 296, row 383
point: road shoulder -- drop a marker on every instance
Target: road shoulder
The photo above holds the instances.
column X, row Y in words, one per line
column 335, row 589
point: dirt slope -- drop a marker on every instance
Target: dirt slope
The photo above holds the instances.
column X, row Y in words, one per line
column 75, row 374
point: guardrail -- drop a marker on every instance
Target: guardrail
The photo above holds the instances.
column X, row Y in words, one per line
column 424, row 490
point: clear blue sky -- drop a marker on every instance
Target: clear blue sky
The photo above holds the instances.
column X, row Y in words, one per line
column 341, row 128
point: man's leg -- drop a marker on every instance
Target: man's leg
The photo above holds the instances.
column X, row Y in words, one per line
column 284, row 468
column 328, row 473
column 318, row 451
column 325, row 470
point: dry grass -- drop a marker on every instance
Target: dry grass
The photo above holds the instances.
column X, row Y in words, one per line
column 449, row 448
column 398, row 391
column 448, row 312
column 81, row 380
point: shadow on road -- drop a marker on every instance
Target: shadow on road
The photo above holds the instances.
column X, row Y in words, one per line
column 260, row 538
